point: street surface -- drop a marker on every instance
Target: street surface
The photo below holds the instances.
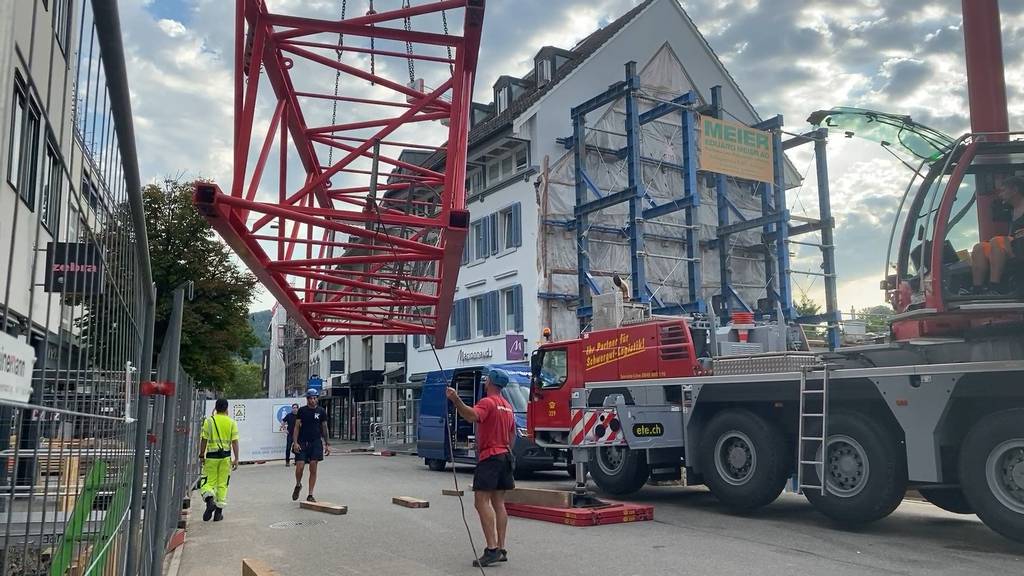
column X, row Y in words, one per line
column 690, row 533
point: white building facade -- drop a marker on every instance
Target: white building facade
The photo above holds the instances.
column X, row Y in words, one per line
column 504, row 292
column 275, row 356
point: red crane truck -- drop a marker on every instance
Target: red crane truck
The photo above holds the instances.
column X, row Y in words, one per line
column 940, row 408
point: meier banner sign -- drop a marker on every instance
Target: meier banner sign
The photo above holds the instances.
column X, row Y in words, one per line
column 726, row 147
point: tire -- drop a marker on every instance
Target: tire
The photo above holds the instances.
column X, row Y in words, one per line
column 866, row 471
column 949, row 499
column 992, row 472
column 436, row 465
column 745, row 460
column 619, row 471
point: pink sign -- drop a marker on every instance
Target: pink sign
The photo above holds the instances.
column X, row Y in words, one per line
column 514, row 347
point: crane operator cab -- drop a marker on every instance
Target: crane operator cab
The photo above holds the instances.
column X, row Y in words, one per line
column 956, row 252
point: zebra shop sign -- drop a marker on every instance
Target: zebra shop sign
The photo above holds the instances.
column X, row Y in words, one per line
column 73, row 268
column 730, row 148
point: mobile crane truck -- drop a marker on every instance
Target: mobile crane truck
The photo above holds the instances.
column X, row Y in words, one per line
column 939, row 408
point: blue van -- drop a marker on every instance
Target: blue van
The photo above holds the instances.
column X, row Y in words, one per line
column 437, row 450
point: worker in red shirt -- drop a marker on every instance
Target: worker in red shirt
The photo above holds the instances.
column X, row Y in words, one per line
column 495, row 431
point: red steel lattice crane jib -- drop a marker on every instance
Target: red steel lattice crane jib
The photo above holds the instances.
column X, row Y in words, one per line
column 362, row 239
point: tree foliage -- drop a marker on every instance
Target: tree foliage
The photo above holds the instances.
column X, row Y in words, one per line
column 215, row 324
column 246, row 381
column 807, row 307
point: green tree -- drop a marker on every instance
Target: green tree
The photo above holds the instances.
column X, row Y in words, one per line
column 807, row 307
column 215, row 325
column 246, row 381
column 876, row 317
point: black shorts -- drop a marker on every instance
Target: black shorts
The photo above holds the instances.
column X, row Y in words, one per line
column 312, row 451
column 494, row 473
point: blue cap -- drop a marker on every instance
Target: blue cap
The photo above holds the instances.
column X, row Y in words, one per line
column 498, row 377
column 312, row 393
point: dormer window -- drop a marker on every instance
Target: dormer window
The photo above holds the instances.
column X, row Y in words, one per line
column 544, row 72
column 502, row 99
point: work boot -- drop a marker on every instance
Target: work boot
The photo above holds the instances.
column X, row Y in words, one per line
column 295, row 492
column 218, row 515
column 210, row 507
column 490, row 556
column 310, row 498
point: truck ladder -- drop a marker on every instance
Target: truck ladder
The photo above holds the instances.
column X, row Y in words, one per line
column 813, row 410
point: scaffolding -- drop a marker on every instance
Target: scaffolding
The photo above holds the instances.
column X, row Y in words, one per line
column 694, row 240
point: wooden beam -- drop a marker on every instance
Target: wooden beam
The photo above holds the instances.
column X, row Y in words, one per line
column 256, row 568
column 448, row 492
column 409, row 502
column 324, row 507
column 538, row 497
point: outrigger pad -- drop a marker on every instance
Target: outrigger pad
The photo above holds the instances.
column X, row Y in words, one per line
column 612, row 513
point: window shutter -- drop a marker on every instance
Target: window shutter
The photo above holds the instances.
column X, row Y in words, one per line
column 493, row 326
column 416, row 341
column 464, row 328
column 517, row 225
column 493, row 225
column 466, row 250
column 518, row 292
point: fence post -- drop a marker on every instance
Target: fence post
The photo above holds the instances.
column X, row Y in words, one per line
column 141, row 446
column 164, row 482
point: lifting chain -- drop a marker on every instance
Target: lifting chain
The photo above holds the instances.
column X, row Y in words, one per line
column 373, row 62
column 408, row 45
column 444, row 22
column 337, row 83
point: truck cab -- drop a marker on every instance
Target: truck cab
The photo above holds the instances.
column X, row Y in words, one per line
column 439, row 442
column 659, row 348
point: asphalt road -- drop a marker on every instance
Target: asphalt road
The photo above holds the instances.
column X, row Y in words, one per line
column 691, row 534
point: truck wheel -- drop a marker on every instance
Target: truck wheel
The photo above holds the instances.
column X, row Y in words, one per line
column 618, row 470
column 865, row 472
column 745, row 460
column 436, row 465
column 949, row 499
column 992, row 472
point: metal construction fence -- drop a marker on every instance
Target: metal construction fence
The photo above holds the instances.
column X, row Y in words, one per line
column 92, row 470
column 387, row 423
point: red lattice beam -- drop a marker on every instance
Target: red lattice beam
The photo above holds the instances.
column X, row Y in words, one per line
column 360, row 240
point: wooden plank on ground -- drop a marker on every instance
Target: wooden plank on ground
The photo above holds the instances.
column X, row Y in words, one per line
column 539, row 497
column 409, row 502
column 450, row 492
column 324, row 507
column 256, row 568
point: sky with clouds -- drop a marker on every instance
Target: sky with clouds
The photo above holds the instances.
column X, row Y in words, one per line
column 789, row 56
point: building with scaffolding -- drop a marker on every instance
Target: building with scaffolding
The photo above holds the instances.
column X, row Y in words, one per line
column 520, row 271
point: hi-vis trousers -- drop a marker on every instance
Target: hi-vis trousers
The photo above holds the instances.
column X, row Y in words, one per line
column 214, row 482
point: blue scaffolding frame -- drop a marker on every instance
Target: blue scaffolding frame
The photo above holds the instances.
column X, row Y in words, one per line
column 775, row 220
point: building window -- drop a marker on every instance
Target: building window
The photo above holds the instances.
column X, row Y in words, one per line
column 502, row 99
column 24, row 147
column 368, row 353
column 52, row 188
column 479, row 317
column 522, row 159
column 480, row 239
column 511, row 227
column 545, row 71
column 18, row 105
column 508, row 309
column 62, row 22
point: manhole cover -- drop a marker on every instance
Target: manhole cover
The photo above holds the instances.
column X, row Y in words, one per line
column 296, row 523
